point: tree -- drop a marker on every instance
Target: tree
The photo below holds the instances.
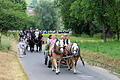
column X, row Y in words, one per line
column 45, row 17
column 34, row 3
column 12, row 15
column 115, row 9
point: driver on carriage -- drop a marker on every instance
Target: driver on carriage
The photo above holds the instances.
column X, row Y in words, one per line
column 66, row 41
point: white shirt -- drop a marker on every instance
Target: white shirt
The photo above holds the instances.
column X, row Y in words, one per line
column 36, row 34
column 66, row 42
column 48, row 41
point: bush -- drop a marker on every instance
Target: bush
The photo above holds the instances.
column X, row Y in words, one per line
column 13, row 34
column 98, row 36
column 84, row 35
column 5, row 46
column 77, row 35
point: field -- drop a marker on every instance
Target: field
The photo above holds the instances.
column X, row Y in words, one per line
column 98, row 53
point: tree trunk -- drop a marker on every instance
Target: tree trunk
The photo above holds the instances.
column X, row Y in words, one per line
column 117, row 31
column 103, row 25
column 0, row 37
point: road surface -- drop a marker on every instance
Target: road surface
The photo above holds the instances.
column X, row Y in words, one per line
column 33, row 65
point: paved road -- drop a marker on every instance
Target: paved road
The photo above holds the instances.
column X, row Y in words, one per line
column 34, row 67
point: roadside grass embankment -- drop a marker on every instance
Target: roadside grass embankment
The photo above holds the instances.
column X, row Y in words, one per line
column 10, row 67
column 98, row 53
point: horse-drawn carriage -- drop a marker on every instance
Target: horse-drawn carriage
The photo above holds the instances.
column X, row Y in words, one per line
column 63, row 54
column 34, row 41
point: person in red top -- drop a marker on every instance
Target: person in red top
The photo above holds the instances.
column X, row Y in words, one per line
column 43, row 40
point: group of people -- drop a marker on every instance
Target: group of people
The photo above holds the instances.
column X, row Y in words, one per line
column 52, row 39
column 30, row 38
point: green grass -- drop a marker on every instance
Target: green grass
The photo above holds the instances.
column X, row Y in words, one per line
column 5, row 44
column 110, row 48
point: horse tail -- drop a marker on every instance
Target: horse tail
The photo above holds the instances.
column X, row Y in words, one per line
column 81, row 57
column 82, row 61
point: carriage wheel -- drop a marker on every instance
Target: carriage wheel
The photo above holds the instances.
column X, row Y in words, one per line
column 49, row 64
column 46, row 58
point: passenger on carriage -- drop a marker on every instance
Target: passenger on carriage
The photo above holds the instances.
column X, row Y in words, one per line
column 48, row 43
column 49, row 39
column 56, row 38
column 62, row 37
column 52, row 42
column 43, row 40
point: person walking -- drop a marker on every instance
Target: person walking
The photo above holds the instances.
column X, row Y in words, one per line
column 21, row 48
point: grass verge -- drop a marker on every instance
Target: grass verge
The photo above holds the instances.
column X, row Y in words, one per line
column 102, row 60
column 10, row 67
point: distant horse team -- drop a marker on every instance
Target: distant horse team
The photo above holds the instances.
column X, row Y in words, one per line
column 30, row 39
column 60, row 51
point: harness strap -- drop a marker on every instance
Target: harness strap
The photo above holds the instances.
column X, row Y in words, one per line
column 57, row 52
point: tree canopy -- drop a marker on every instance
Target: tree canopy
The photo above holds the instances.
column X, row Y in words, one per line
column 13, row 14
column 91, row 16
column 45, row 17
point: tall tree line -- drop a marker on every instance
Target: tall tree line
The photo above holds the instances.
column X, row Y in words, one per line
column 91, row 16
column 13, row 15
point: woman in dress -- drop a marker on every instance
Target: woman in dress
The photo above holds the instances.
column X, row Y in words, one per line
column 52, row 42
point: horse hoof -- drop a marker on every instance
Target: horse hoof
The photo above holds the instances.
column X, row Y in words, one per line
column 53, row 70
column 75, row 73
column 57, row 73
column 49, row 66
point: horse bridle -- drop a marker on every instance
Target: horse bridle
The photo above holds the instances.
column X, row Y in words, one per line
column 75, row 50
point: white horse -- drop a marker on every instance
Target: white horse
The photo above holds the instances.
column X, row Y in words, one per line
column 57, row 54
column 75, row 52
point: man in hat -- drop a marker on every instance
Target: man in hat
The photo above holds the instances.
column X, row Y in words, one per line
column 66, row 40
